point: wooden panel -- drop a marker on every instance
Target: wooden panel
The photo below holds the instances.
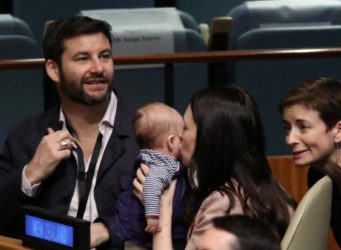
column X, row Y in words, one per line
column 294, row 181
column 7, row 243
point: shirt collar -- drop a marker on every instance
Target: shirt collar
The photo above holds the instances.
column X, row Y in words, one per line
column 108, row 119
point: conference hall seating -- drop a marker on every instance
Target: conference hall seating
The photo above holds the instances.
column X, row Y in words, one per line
column 21, row 90
column 36, row 13
column 10, row 25
column 173, row 31
column 282, row 25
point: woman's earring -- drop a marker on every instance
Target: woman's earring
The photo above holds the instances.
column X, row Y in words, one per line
column 193, row 178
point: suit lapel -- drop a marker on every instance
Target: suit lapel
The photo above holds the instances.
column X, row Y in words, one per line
column 116, row 144
column 51, row 119
column 113, row 151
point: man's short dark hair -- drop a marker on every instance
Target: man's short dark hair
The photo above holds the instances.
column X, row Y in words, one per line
column 251, row 233
column 60, row 30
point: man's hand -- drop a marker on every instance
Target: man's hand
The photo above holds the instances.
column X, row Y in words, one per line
column 52, row 149
column 98, row 234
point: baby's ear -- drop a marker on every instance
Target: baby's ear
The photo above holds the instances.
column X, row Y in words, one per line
column 338, row 132
column 171, row 142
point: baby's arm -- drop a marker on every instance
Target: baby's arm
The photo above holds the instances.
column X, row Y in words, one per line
column 156, row 181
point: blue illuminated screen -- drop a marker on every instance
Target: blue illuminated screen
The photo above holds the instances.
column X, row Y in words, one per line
column 49, row 231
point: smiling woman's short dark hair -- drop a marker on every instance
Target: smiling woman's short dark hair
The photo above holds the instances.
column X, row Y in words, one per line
column 322, row 94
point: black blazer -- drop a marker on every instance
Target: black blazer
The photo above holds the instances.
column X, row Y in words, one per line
column 55, row 194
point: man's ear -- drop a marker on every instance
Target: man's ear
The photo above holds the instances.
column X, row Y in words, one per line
column 52, row 70
column 338, row 132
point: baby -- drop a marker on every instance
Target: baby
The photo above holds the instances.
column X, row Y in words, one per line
column 158, row 130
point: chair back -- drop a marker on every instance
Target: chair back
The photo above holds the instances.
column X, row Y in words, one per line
column 10, row 25
column 56, row 9
column 291, row 13
column 204, row 11
column 21, row 90
column 310, row 225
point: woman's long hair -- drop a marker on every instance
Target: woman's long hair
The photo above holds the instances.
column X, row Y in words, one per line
column 229, row 157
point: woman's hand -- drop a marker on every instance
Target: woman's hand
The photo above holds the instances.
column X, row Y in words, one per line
column 167, row 197
column 139, row 181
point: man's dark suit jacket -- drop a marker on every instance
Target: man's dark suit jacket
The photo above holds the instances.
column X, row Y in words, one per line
column 55, row 193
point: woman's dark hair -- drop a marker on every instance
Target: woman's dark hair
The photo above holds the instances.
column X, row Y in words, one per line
column 229, row 157
column 321, row 94
column 59, row 31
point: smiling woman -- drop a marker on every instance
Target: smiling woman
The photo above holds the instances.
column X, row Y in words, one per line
column 307, row 135
column 312, row 116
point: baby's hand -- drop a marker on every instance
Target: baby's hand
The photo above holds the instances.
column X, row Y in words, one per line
column 153, row 225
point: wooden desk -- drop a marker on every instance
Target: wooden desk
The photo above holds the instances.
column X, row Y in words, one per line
column 7, row 243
